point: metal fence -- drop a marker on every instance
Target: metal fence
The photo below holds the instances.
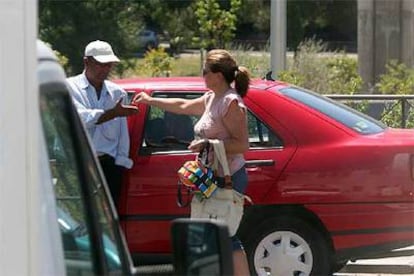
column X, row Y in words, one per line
column 381, row 105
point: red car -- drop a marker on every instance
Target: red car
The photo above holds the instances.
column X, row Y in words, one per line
column 328, row 184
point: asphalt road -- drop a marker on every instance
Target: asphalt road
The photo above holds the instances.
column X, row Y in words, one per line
column 401, row 264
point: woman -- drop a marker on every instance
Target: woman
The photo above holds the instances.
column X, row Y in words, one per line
column 223, row 117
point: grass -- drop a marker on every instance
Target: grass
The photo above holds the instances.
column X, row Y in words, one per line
column 190, row 63
column 186, row 65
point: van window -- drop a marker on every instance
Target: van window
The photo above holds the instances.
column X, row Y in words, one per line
column 91, row 242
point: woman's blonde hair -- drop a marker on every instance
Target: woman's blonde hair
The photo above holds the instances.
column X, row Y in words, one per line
column 219, row 60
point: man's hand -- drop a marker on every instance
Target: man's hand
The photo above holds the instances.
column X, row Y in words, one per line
column 119, row 110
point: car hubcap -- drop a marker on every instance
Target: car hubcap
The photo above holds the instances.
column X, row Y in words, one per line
column 283, row 253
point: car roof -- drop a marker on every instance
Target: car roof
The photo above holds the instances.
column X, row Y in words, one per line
column 185, row 83
column 269, row 98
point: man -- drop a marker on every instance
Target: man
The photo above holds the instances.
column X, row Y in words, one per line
column 102, row 107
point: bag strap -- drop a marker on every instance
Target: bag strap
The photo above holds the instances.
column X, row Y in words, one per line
column 204, row 153
column 220, row 156
column 180, row 202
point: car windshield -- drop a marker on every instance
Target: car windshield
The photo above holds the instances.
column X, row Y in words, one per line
column 349, row 117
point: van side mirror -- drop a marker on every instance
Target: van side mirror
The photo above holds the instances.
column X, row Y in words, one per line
column 201, row 247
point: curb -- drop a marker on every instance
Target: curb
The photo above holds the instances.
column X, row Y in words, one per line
column 378, row 269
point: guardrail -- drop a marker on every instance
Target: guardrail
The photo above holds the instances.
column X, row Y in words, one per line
column 406, row 102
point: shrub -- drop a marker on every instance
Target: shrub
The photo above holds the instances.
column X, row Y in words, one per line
column 399, row 80
column 343, row 77
column 309, row 68
column 157, row 62
column 334, row 73
column 257, row 62
column 312, row 68
column 123, row 68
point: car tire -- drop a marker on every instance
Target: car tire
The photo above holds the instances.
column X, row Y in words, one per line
column 337, row 266
column 288, row 246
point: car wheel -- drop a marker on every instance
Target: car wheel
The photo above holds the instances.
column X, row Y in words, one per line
column 287, row 246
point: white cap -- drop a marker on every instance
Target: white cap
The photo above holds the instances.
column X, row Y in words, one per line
column 101, row 51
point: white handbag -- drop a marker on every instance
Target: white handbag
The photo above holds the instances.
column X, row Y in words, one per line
column 225, row 205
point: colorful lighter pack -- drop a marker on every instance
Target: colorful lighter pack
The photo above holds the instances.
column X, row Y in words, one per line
column 196, row 176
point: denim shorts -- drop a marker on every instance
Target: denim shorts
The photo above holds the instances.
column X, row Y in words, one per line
column 239, row 179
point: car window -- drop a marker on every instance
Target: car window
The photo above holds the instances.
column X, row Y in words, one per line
column 261, row 136
column 347, row 116
column 165, row 131
column 83, row 210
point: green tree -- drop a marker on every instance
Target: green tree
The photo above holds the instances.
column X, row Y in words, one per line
column 253, row 24
column 69, row 25
column 179, row 25
column 320, row 19
column 216, row 24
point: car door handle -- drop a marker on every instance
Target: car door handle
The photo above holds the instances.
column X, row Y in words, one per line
column 259, row 163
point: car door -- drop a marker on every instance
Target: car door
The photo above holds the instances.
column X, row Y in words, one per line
column 268, row 154
column 151, row 185
column 159, row 142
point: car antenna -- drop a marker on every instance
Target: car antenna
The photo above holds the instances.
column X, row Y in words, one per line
column 268, row 76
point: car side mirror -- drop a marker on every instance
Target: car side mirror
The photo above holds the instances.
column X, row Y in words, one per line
column 201, row 247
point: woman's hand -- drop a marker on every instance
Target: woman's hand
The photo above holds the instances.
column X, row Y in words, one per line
column 141, row 97
column 198, row 145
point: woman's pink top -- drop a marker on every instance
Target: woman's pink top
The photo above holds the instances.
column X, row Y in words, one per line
column 211, row 124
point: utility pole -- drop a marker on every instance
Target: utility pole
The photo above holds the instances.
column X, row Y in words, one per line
column 277, row 36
